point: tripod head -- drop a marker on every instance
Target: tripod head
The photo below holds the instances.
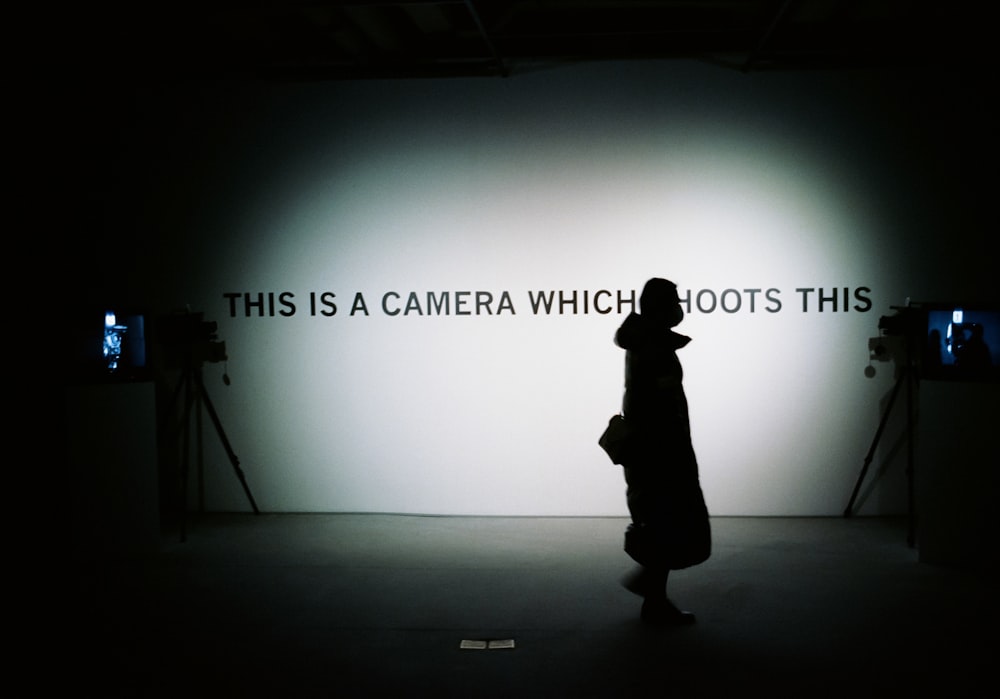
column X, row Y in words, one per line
column 898, row 334
column 188, row 340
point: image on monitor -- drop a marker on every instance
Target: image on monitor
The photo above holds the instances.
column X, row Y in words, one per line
column 962, row 343
column 109, row 345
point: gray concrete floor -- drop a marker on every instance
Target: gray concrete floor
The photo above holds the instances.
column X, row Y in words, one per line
column 347, row 605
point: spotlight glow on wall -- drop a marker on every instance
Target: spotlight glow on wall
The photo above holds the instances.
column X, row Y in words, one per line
column 355, row 388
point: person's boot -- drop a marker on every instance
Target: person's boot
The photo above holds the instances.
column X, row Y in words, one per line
column 660, row 611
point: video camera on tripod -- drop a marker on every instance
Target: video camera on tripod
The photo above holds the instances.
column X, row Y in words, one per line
column 899, row 334
column 187, row 339
column 899, row 337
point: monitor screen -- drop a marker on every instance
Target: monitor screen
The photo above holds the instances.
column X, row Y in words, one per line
column 961, row 343
column 110, row 345
column 124, row 342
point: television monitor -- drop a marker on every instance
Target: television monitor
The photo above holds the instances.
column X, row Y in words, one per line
column 961, row 343
column 110, row 345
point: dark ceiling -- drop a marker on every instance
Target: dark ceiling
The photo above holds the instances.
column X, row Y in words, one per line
column 417, row 38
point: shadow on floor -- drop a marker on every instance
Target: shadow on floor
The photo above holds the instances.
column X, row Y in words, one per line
column 368, row 605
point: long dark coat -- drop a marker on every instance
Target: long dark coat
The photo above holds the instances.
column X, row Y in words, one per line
column 670, row 527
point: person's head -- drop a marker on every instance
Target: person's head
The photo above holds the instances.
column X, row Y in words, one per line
column 659, row 300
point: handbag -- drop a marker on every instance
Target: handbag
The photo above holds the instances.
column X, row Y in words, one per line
column 616, row 438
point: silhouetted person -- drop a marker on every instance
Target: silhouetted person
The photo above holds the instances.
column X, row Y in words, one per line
column 973, row 353
column 670, row 527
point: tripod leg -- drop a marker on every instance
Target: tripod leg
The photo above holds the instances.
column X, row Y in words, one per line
column 871, row 451
column 225, row 443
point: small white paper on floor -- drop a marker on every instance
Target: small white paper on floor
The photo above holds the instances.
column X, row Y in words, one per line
column 497, row 644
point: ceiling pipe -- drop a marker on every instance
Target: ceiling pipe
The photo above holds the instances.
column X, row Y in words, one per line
column 778, row 17
column 486, row 37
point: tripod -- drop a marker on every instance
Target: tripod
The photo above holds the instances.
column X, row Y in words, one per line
column 192, row 386
column 907, row 377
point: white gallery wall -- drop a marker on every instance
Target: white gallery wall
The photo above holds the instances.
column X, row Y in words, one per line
column 418, row 282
